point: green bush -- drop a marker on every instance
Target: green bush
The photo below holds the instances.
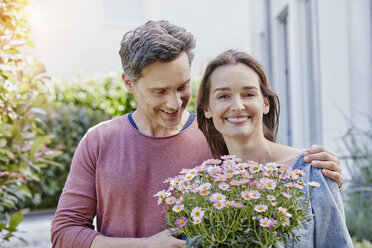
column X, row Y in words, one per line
column 104, row 93
column 358, row 193
column 77, row 105
column 23, row 144
column 68, row 123
column 362, row 244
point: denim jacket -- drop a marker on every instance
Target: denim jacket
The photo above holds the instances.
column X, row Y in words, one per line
column 327, row 228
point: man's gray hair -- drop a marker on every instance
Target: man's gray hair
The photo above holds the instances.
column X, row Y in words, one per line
column 155, row 41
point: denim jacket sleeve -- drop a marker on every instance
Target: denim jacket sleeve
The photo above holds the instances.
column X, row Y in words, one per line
column 329, row 218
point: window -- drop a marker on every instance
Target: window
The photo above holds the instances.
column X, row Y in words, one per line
column 283, row 83
column 310, row 73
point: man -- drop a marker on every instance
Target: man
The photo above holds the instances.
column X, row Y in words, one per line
column 120, row 164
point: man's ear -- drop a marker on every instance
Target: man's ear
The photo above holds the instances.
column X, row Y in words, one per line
column 128, row 83
column 207, row 112
column 266, row 106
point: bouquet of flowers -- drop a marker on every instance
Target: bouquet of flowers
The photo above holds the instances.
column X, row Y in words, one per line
column 230, row 203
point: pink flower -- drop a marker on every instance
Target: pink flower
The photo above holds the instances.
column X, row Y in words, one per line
column 299, row 172
column 228, row 157
column 243, row 181
column 234, row 183
column 260, row 186
column 286, row 195
column 242, row 166
column 229, row 175
column 220, row 177
column 166, row 209
column 181, row 222
column 255, row 167
column 223, row 186
column 204, row 193
column 213, row 170
column 266, row 222
column 170, row 200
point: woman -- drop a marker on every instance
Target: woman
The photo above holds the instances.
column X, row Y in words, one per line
column 238, row 113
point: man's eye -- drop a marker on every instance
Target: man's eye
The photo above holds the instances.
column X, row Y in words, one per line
column 160, row 92
column 184, row 87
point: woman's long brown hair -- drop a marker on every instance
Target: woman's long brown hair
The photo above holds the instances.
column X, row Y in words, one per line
column 270, row 120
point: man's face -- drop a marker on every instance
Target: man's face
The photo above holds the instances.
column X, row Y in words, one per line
column 162, row 94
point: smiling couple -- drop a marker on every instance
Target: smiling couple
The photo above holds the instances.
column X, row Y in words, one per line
column 121, row 163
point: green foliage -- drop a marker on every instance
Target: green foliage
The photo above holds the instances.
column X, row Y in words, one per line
column 68, row 123
column 77, row 105
column 358, row 193
column 362, row 244
column 105, row 93
column 23, row 144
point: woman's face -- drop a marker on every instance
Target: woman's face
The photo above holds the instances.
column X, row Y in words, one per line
column 236, row 104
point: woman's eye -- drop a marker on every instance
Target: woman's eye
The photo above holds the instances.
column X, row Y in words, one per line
column 249, row 95
column 222, row 96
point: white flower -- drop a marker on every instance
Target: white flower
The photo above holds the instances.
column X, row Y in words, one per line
column 177, row 208
column 217, row 197
column 314, row 184
column 197, row 212
column 260, row 208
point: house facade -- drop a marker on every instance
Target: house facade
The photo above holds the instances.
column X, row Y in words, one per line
column 318, row 54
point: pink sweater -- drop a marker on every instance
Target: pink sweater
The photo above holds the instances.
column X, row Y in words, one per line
column 114, row 174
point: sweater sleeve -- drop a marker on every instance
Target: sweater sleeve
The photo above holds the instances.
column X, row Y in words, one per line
column 72, row 224
column 329, row 217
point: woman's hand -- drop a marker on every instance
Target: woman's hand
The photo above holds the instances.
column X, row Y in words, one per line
column 321, row 157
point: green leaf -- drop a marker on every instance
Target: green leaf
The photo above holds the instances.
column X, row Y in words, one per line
column 6, row 127
column 26, row 191
column 37, row 145
column 2, row 142
column 52, row 154
column 4, row 158
column 7, row 203
column 40, row 99
column 8, row 153
column 16, row 218
column 51, row 162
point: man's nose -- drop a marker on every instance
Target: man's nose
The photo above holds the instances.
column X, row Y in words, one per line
column 174, row 101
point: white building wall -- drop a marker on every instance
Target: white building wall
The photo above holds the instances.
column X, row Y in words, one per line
column 360, row 60
column 335, row 70
column 341, row 54
column 84, row 36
